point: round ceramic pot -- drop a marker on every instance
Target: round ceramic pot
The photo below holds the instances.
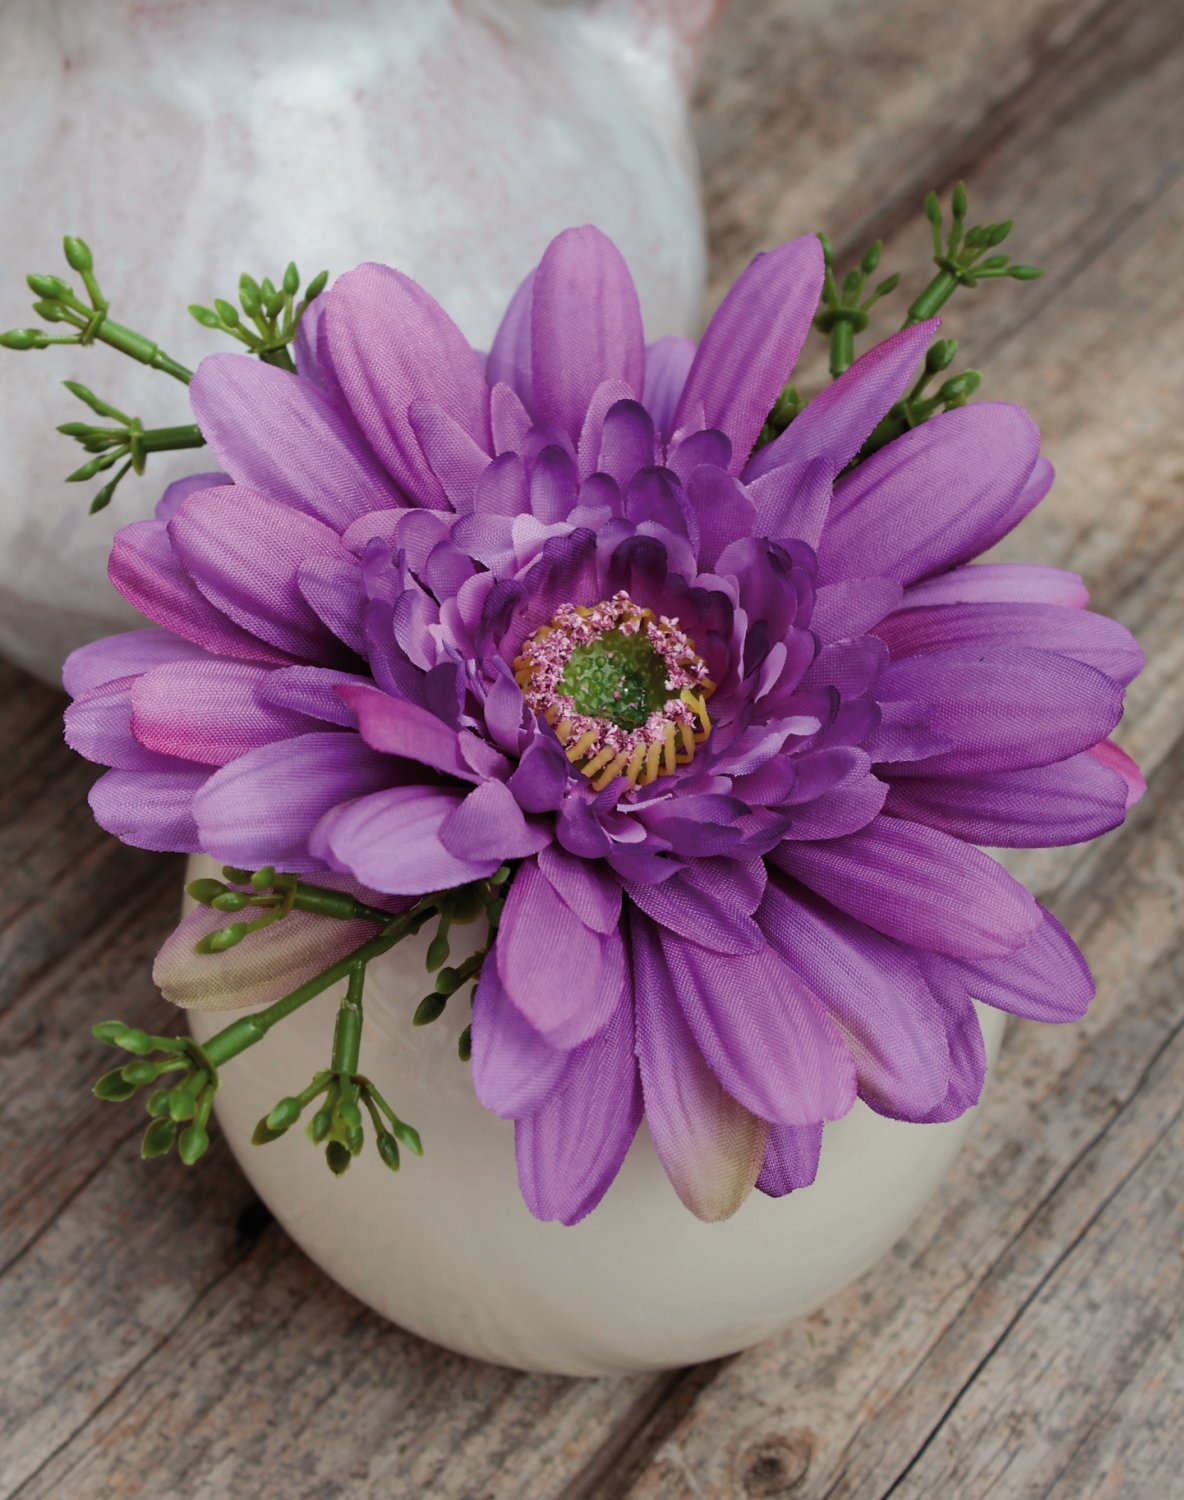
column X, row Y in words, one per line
column 191, row 140
column 448, row 1250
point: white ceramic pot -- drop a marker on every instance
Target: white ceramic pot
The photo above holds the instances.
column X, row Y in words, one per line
column 190, row 140
column 447, row 1248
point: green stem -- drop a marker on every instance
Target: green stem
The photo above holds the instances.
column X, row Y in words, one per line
column 347, row 1034
column 932, row 299
column 163, row 439
column 248, row 1030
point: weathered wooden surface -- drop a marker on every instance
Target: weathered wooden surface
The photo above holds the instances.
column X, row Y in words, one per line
column 1025, row 1338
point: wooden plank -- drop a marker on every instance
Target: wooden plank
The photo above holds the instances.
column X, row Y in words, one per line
column 198, row 1354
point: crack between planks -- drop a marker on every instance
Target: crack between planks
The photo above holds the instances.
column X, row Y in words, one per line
column 1058, row 1261
column 145, row 1359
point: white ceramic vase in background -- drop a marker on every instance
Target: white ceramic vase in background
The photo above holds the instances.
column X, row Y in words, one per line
column 447, row 1249
column 191, row 140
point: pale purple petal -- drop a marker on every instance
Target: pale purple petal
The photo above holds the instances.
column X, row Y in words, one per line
column 919, row 886
column 569, row 1151
column 262, row 808
column 765, row 1035
column 667, row 362
column 244, row 551
column 401, row 728
column 514, row 1070
column 149, row 809
column 1115, row 759
column 752, row 343
column 585, row 887
column 391, row 841
column 835, row 424
column 968, row 1056
column 389, row 344
column 1000, row 583
column 710, row 1146
column 1047, row 980
column 565, row 979
column 873, row 991
column 791, row 1159
column 509, row 360
column 1038, row 808
column 209, row 711
column 843, row 610
column 489, row 824
column 99, row 726
column 585, row 327
column 277, row 433
column 181, row 489
column 936, row 496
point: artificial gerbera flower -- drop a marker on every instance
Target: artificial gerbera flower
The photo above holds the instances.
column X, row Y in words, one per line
column 737, row 719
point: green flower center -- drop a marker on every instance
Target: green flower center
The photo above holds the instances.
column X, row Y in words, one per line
column 616, row 677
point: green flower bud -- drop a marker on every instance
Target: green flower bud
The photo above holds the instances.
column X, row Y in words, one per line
column 291, row 279
column 227, row 312
column 194, row 1143
column 109, row 1032
column 997, row 233
column 206, row 316
column 263, row 879
column 229, row 901
column 275, row 304
column 222, row 938
column 50, row 311
column 158, row 1104
column 500, row 876
column 958, row 202
column 316, row 286
column 263, row 1134
column 448, row 981
column 139, row 1073
column 889, row 284
column 158, row 1139
column 388, row 1149
column 408, row 1135
column 135, row 1040
column 872, row 259
column 249, row 298
column 320, row 1125
column 828, row 254
column 77, row 252
column 350, row 1116
column 235, row 875
column 338, row 1158
column 437, row 951
column 933, row 209
column 182, row 1103
column 464, row 1044
column 993, row 263
column 961, row 386
column 113, row 1087
column 941, row 355
column 1025, row 273
column 266, row 289
column 429, row 1009
column 22, row 338
column 205, row 891
column 52, row 287
column 285, row 1114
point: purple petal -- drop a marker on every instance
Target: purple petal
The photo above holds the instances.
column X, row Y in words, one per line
column 752, row 343
column 125, row 655
column 262, row 808
column 710, row 1146
column 565, row 979
column 837, row 813
column 569, row 1151
column 1078, row 633
column 244, row 551
column 766, row 1037
column 334, row 588
column 873, row 991
column 554, row 486
column 392, row 841
column 1000, row 583
column 508, row 420
column 699, row 910
column 793, row 501
column 452, row 455
column 1004, row 709
column 489, row 824
column 210, row 711
column 968, row 1056
column 145, row 569
column 667, row 363
column 918, row 886
column 280, row 435
column 585, row 327
column 723, row 509
column 835, row 424
column 791, row 1159
column 390, row 344
column 626, row 442
column 1115, row 759
column 149, row 809
column 936, row 496
column 542, row 776
column 99, row 726
column 509, row 355
column 514, row 1069
column 1047, row 980
column 1038, row 808
column 850, row 608
column 181, row 489
column 585, row 887
column 401, row 728
column 312, row 691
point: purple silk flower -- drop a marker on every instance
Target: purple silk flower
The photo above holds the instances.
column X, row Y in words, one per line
column 739, row 719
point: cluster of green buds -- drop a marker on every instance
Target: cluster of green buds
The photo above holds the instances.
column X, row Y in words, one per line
column 342, row 1094
column 183, row 1079
column 275, row 312
column 962, row 258
column 129, row 440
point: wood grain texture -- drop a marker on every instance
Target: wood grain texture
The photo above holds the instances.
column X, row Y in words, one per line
column 1026, row 1337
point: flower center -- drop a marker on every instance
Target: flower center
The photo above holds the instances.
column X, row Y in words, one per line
column 624, row 690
